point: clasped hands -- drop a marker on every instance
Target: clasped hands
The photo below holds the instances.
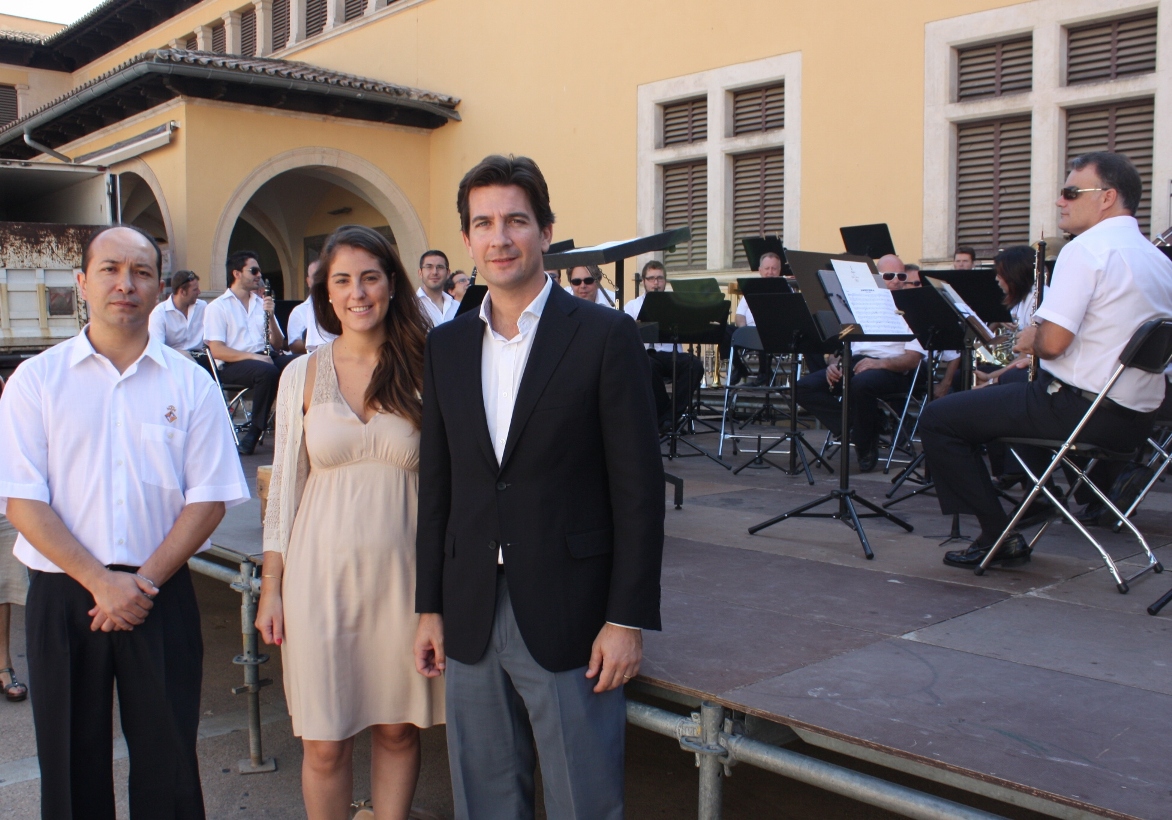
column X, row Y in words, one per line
column 614, row 658
column 122, row 601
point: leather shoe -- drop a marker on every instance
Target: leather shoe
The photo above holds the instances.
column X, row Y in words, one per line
column 1013, row 553
column 1039, row 512
column 868, row 460
column 248, row 443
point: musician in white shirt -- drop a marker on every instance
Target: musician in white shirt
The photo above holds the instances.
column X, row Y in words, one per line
column 1107, row 282
column 235, row 328
column 689, row 368
column 116, row 463
column 177, row 321
column 305, row 335
column 439, row 305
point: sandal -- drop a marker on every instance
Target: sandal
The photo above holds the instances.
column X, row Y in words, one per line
column 14, row 691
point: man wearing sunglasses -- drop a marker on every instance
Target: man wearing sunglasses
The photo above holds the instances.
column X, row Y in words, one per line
column 586, row 283
column 880, row 369
column 234, row 328
column 1107, row 282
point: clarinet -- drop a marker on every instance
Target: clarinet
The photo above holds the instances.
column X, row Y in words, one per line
column 1039, row 283
column 268, row 321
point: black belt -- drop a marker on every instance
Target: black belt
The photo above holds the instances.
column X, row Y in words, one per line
column 1088, row 395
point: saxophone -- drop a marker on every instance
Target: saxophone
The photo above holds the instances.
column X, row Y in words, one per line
column 1039, row 284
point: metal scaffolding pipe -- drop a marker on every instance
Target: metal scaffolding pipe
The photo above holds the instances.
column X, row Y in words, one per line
column 728, row 749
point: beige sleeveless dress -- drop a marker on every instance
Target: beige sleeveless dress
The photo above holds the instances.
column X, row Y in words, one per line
column 349, row 582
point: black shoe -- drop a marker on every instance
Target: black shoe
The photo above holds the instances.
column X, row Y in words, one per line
column 1013, row 553
column 868, row 460
column 1039, row 512
column 248, row 443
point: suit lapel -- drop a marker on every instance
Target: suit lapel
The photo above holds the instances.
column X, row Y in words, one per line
column 467, row 365
column 554, row 332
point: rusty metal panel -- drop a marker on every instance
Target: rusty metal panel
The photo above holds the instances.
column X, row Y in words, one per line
column 42, row 245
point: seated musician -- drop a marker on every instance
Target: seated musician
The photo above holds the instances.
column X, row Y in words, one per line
column 305, row 334
column 177, row 321
column 880, row 369
column 964, row 258
column 586, row 283
column 769, row 267
column 1107, row 282
column 235, row 329
column 688, row 367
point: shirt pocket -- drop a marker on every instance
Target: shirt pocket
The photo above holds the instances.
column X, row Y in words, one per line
column 162, row 455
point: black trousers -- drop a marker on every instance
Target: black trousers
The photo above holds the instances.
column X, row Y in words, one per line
column 157, row 666
column 814, row 393
column 690, row 371
column 953, row 429
column 263, row 378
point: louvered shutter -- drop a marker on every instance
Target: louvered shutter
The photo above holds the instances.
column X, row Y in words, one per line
column 685, row 122
column 685, row 204
column 995, row 69
column 1110, row 49
column 248, row 32
column 993, row 184
column 1125, row 128
column 355, row 8
column 219, row 39
column 8, row 112
column 759, row 109
column 280, row 24
column 758, row 198
column 315, row 17
column 191, row 44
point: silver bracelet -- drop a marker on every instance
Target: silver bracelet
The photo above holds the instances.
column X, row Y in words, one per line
column 148, row 580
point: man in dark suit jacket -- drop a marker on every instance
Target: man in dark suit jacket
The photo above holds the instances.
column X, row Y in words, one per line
column 540, row 519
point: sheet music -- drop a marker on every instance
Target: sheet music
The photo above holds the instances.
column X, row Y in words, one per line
column 870, row 302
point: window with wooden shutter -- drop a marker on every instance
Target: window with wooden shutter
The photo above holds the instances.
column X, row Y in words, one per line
column 1125, row 128
column 995, row 69
column 191, row 44
column 280, row 24
column 685, row 204
column 248, row 32
column 355, row 8
column 758, row 198
column 759, row 109
column 8, row 112
column 219, row 40
column 993, row 183
column 315, row 17
column 1110, row 49
column 685, row 122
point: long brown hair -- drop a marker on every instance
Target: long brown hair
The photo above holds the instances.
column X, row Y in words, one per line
column 1015, row 265
column 397, row 382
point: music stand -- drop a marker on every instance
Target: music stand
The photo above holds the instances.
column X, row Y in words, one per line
column 843, row 495
column 685, row 318
column 871, row 241
column 616, row 252
column 472, row 299
column 786, row 327
column 757, row 246
column 979, row 289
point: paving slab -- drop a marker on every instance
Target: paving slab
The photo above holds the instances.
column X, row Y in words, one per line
column 1081, row 640
column 1085, row 742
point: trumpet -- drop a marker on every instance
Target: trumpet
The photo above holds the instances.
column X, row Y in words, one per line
column 1039, row 284
column 268, row 321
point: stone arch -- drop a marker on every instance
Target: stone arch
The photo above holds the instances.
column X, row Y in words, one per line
column 139, row 168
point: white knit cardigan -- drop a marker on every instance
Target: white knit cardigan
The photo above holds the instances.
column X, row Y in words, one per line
column 290, row 458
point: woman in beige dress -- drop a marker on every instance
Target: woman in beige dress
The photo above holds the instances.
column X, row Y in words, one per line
column 338, row 584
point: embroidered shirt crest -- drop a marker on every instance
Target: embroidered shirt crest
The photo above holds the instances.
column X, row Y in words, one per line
column 170, row 415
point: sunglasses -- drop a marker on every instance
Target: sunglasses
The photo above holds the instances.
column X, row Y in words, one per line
column 889, row 276
column 1071, row 193
column 589, row 280
column 253, row 271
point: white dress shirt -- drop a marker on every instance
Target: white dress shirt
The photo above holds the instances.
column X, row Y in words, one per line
column 227, row 321
column 886, row 350
column 303, row 322
column 599, row 296
column 1023, row 312
column 437, row 316
column 1106, row 283
column 632, row 309
column 172, row 328
column 117, row 456
column 743, row 310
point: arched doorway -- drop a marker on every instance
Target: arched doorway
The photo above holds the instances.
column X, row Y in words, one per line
column 294, row 200
column 140, row 204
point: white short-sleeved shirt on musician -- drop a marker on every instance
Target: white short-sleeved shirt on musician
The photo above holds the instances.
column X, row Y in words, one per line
column 743, row 310
column 600, row 296
column 227, row 321
column 632, row 309
column 172, row 328
column 302, row 322
column 117, row 456
column 437, row 316
column 1107, row 282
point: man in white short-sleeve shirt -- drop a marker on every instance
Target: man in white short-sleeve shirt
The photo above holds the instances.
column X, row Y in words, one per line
column 1107, row 282
column 177, row 321
column 304, row 333
column 110, row 501
column 437, row 303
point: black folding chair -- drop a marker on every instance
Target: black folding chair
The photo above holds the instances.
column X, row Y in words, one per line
column 1150, row 350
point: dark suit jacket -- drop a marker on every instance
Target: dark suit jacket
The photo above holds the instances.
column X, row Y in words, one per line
column 576, row 504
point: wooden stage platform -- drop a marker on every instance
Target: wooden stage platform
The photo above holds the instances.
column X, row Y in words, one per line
column 1040, row 686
